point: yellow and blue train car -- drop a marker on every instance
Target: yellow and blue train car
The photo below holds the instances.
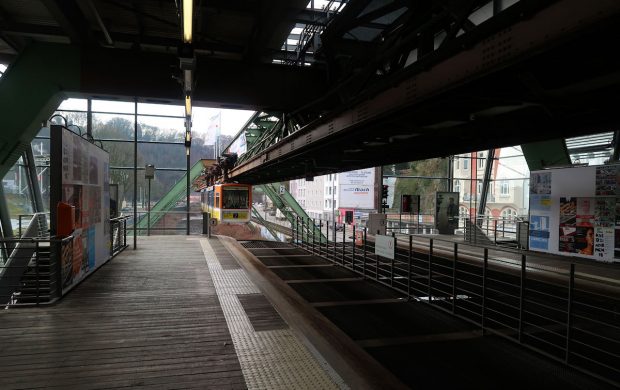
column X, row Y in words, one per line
column 228, row 203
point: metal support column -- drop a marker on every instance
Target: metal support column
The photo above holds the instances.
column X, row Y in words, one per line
column 33, row 183
column 135, row 174
column 486, row 182
column 187, row 189
column 5, row 217
column 616, row 155
column 89, row 118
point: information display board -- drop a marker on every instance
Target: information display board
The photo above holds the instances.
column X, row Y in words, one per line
column 357, row 189
column 576, row 211
column 80, row 177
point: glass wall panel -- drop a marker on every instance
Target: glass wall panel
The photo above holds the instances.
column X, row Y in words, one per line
column 508, row 191
column 161, row 129
column 113, row 106
column 162, row 155
column 74, row 104
column 161, row 109
column 121, row 153
column 76, row 118
column 17, row 192
column 113, row 126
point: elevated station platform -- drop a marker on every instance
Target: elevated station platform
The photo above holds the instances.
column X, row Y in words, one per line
column 192, row 312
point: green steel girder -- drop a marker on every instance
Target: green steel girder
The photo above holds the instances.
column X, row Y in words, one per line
column 30, row 90
column 168, row 201
column 289, row 207
column 261, row 220
column 269, row 132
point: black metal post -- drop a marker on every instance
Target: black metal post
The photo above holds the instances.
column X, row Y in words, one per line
column 569, row 312
column 392, row 263
column 187, row 186
column 135, row 174
column 36, row 264
column 313, row 230
column 521, row 298
column 335, row 253
column 353, row 250
column 148, row 215
column 484, row 287
column 344, row 236
column 409, row 266
column 430, row 271
column 456, row 251
column 364, row 258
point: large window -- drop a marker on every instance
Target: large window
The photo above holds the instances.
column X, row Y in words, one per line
column 236, row 198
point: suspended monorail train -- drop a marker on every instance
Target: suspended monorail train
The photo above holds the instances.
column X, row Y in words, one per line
column 228, row 203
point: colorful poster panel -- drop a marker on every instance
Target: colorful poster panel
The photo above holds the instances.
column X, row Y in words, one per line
column 540, row 183
column 607, row 180
column 605, row 212
column 577, row 240
column 568, row 211
column 585, row 211
column 540, row 204
column 604, row 243
column 539, row 232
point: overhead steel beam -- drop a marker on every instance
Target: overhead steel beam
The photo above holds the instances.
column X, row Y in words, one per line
column 275, row 20
column 70, row 18
column 552, row 26
column 227, row 84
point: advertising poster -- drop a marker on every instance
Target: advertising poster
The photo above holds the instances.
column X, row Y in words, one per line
column 603, row 242
column 605, row 212
column 576, row 211
column 607, row 180
column 357, row 196
column 540, row 203
column 539, row 232
column 357, row 189
column 585, row 211
column 80, row 177
column 540, row 183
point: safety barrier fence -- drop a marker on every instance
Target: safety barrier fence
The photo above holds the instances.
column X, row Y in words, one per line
column 32, row 267
column 24, row 221
column 565, row 313
column 479, row 230
column 166, row 223
column 31, row 274
column 118, row 236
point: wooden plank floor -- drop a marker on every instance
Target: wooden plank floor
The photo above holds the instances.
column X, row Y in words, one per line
column 150, row 318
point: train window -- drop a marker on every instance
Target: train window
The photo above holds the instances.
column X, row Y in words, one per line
column 217, row 199
column 236, row 198
column 210, row 197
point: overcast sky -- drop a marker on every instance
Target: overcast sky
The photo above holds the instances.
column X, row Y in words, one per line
column 231, row 120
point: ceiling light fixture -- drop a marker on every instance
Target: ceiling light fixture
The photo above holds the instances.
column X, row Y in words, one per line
column 188, row 13
column 188, row 106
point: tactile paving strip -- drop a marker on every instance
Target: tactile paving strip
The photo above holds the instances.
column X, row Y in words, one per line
column 273, row 359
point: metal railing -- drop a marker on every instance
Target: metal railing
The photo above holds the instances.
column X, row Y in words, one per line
column 567, row 315
column 118, row 235
column 34, row 268
column 32, row 273
column 166, row 223
column 24, row 220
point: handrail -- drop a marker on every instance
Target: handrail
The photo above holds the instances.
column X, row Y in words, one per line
column 547, row 310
